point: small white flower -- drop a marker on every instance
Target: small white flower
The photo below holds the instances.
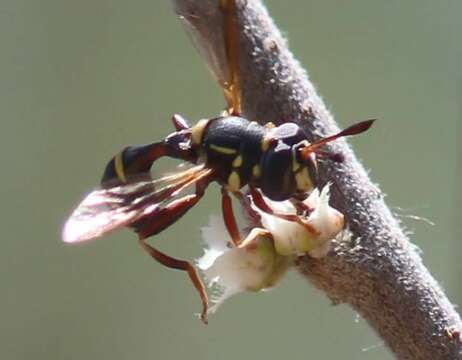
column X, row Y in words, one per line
column 262, row 262
column 291, row 238
column 254, row 267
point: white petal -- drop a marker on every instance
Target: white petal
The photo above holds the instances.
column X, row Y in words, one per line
column 254, row 267
column 291, row 238
column 327, row 220
column 215, row 237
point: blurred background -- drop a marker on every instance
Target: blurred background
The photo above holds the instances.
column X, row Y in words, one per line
column 81, row 80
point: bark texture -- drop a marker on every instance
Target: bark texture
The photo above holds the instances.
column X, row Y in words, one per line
column 378, row 271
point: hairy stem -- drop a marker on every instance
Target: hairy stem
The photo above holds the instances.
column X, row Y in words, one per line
column 378, row 272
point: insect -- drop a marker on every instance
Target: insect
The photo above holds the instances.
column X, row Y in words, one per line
column 276, row 162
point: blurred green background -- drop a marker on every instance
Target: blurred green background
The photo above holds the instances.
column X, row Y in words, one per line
column 79, row 80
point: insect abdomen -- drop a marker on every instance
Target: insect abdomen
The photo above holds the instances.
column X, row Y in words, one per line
column 126, row 164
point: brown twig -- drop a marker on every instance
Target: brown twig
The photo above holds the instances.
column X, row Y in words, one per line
column 378, row 273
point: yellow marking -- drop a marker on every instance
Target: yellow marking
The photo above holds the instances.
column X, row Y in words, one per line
column 237, row 162
column 234, row 181
column 222, row 149
column 266, row 142
column 303, row 180
column 270, row 125
column 256, row 171
column 119, row 167
column 197, row 131
column 295, row 164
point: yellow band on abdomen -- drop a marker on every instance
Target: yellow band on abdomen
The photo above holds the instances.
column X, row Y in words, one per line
column 119, row 167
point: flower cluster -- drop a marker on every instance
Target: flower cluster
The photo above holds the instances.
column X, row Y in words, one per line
column 260, row 263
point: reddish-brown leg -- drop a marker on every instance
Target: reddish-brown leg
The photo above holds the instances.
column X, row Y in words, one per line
column 173, row 263
column 301, row 207
column 162, row 218
column 260, row 202
column 228, row 216
column 254, row 216
column 253, row 235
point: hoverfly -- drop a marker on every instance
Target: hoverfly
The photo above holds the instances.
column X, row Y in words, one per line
column 273, row 161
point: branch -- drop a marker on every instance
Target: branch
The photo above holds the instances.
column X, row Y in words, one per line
column 378, row 273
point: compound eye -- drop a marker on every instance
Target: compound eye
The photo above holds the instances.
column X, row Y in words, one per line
column 277, row 178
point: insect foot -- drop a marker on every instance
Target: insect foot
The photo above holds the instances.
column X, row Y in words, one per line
column 262, row 259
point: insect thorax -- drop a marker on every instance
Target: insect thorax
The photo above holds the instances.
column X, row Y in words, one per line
column 232, row 146
column 242, row 152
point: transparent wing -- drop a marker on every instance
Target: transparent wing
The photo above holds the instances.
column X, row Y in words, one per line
column 105, row 210
column 223, row 60
column 215, row 57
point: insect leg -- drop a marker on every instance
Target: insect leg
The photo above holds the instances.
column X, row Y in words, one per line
column 260, row 202
column 228, row 216
column 301, row 207
column 252, row 236
column 163, row 217
column 173, row 263
column 254, row 216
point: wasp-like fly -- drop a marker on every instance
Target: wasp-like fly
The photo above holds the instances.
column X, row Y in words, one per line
column 276, row 162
